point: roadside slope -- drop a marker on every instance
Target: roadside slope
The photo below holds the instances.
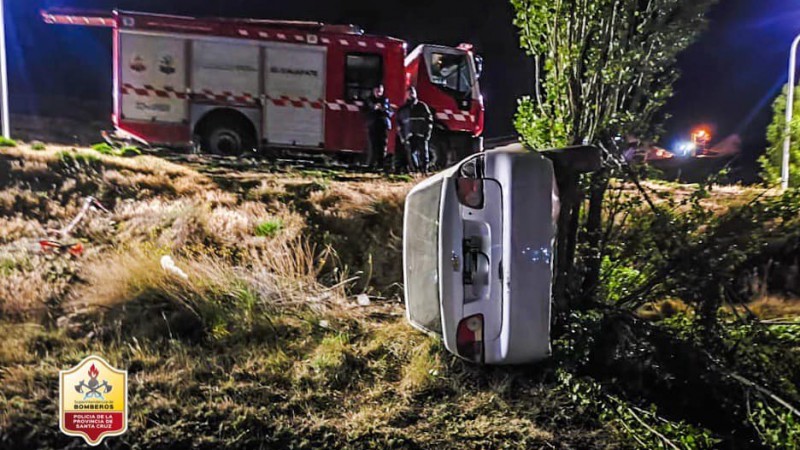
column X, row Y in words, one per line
column 264, row 344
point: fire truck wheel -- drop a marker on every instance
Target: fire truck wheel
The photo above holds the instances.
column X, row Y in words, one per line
column 438, row 153
column 226, row 137
column 224, row 140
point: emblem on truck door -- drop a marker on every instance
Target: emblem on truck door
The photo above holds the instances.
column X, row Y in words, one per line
column 167, row 65
column 137, row 64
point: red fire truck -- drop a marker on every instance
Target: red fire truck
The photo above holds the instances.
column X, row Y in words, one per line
column 231, row 85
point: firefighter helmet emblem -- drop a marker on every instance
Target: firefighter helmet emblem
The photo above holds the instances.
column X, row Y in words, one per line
column 94, row 389
column 93, row 400
column 167, row 65
column 137, row 64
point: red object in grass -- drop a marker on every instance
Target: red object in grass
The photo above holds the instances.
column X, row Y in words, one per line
column 49, row 246
column 75, row 250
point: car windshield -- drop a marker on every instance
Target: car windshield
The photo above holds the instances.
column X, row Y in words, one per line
column 422, row 258
column 451, row 72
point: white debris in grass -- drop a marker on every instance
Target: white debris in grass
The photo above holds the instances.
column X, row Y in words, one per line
column 363, row 300
column 168, row 264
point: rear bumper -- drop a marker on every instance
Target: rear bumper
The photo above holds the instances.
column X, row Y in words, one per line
column 156, row 133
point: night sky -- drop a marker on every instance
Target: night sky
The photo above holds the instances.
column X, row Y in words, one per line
column 730, row 77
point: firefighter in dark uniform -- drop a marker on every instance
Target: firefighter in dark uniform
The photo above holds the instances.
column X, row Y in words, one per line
column 415, row 122
column 379, row 122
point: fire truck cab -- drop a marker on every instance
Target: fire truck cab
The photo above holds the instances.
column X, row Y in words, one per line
column 234, row 85
column 447, row 79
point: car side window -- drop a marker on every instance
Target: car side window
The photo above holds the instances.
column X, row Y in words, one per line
column 363, row 72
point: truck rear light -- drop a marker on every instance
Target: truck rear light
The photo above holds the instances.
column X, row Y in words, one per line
column 470, row 192
column 469, row 338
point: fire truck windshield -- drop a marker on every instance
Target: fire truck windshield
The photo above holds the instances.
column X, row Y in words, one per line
column 451, row 71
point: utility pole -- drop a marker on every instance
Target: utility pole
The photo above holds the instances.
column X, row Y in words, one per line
column 6, row 125
column 787, row 143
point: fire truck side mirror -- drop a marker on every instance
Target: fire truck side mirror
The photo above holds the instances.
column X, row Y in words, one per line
column 478, row 66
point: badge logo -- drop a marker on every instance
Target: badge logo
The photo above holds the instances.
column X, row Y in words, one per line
column 93, row 400
column 137, row 64
column 167, row 65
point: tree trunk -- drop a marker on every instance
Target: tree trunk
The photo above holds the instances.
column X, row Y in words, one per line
column 594, row 236
column 566, row 239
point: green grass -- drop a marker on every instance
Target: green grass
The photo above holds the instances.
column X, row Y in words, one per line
column 401, row 177
column 285, row 386
column 269, row 228
column 6, row 142
column 7, row 265
column 329, row 361
column 73, row 157
column 107, row 149
column 38, row 146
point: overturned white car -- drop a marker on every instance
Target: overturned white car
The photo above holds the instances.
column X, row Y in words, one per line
column 479, row 252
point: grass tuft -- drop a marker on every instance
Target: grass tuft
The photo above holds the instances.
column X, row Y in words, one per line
column 331, row 361
column 110, row 150
column 270, row 228
column 6, row 142
column 424, row 368
column 73, row 158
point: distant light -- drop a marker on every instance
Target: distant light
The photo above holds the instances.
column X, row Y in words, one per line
column 685, row 149
column 701, row 136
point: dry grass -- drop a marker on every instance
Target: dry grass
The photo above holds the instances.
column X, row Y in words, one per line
column 720, row 200
column 140, row 165
column 772, row 307
column 663, row 309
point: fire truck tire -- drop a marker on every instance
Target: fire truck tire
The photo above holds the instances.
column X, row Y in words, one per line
column 438, row 152
column 226, row 137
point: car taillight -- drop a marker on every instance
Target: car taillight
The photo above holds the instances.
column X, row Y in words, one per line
column 469, row 338
column 470, row 192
